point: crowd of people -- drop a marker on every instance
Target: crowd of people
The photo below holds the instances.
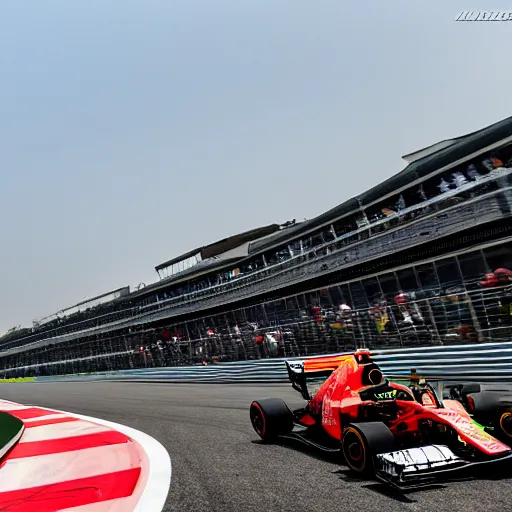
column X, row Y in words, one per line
column 407, row 319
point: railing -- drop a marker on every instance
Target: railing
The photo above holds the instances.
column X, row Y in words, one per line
column 437, row 321
column 468, row 363
column 343, row 252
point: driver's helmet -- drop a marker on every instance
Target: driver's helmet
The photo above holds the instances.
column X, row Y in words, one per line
column 375, row 376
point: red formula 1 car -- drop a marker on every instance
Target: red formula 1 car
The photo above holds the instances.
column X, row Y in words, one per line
column 401, row 434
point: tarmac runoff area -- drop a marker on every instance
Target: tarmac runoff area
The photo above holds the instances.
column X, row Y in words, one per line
column 218, row 463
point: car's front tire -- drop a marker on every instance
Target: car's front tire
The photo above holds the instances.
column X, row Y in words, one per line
column 360, row 442
column 271, row 418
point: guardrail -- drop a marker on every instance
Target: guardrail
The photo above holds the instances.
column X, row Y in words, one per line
column 486, row 362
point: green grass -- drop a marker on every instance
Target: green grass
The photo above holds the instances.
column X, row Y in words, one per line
column 19, row 379
column 11, row 429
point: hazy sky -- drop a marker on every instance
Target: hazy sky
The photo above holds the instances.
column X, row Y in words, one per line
column 132, row 131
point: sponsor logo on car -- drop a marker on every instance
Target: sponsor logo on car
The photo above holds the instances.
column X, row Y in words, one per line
column 388, row 395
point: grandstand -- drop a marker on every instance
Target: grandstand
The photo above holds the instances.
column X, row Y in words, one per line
column 86, row 305
column 403, row 263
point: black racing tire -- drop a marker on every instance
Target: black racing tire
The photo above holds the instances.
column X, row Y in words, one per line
column 360, row 442
column 503, row 425
column 486, row 406
column 271, row 418
column 471, row 388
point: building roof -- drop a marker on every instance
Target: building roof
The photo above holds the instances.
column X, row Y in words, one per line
column 448, row 152
column 121, row 292
column 462, row 147
column 224, row 245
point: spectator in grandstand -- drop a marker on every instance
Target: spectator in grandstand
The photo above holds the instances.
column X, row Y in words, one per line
column 316, row 313
column 261, row 346
column 458, row 179
column 421, row 193
column 492, row 162
column 443, row 186
column 500, row 277
column 411, row 315
column 379, row 313
column 345, row 315
column 400, row 204
column 495, row 310
column 472, row 173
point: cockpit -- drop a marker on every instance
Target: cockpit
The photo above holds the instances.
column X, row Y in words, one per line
column 422, row 392
column 385, row 391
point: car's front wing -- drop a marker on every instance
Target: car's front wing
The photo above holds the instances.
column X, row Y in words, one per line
column 417, row 466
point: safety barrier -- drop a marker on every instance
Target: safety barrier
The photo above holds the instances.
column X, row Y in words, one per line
column 485, row 362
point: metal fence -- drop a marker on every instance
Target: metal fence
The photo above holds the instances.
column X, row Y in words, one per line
column 483, row 362
column 264, row 333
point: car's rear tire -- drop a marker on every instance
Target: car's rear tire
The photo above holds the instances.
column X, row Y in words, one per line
column 271, row 418
column 492, row 408
column 360, row 442
column 503, row 425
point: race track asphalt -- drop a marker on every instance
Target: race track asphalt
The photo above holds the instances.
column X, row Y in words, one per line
column 218, row 464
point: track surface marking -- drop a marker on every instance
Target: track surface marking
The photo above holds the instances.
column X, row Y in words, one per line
column 218, row 465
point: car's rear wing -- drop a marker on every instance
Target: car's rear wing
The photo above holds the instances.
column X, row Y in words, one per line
column 313, row 371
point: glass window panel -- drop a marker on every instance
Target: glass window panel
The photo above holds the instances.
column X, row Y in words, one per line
column 250, row 314
column 325, row 299
column 336, row 295
column 473, row 268
column 407, row 280
column 347, row 297
column 261, row 317
column 328, row 236
column 270, row 310
column 292, row 310
column 389, row 285
column 344, row 226
column 317, row 240
column 295, row 247
column 291, row 303
column 372, row 289
column 312, row 298
column 301, row 299
column 280, row 311
column 427, row 278
column 499, row 257
column 449, row 274
column 182, row 333
column 358, row 295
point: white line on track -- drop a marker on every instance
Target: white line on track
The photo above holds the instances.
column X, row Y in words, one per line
column 44, row 417
column 62, row 430
column 52, row 469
